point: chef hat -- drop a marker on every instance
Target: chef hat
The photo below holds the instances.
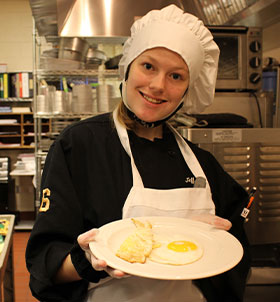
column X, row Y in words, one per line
column 186, row 35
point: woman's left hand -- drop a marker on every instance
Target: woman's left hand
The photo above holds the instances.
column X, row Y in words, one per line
column 216, row 221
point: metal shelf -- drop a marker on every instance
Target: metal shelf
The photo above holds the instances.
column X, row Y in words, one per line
column 64, row 115
column 8, row 100
column 54, row 74
column 74, row 74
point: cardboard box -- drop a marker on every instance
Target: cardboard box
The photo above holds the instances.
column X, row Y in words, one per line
column 24, row 194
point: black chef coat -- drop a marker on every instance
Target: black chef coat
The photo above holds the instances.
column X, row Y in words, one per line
column 89, row 177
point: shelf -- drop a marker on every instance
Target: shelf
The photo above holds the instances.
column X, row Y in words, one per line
column 19, row 139
column 14, row 100
column 23, row 225
column 62, row 79
column 16, row 147
column 16, row 113
column 53, row 74
column 91, row 40
column 64, row 116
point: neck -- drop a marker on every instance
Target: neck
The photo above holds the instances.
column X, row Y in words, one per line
column 148, row 133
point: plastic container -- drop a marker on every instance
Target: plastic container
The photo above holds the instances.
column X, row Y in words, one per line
column 269, row 81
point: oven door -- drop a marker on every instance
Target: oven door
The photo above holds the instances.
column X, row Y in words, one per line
column 232, row 69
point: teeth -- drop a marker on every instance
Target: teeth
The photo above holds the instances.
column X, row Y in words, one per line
column 154, row 101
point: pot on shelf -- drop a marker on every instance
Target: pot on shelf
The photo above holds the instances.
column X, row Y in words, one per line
column 73, row 49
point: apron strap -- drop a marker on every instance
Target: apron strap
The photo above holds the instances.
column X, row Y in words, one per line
column 185, row 149
column 122, row 133
column 188, row 154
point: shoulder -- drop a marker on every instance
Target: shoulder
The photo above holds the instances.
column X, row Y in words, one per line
column 203, row 156
column 102, row 121
column 88, row 135
column 92, row 128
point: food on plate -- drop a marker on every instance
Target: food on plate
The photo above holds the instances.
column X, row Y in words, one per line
column 138, row 245
column 175, row 250
column 158, row 246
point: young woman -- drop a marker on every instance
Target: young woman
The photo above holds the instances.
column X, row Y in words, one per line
column 133, row 163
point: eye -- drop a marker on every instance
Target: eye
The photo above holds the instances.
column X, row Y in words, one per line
column 176, row 76
column 147, row 66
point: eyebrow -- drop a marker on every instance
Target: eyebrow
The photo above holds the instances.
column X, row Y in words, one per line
column 145, row 57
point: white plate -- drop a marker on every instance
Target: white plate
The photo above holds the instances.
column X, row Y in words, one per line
column 222, row 251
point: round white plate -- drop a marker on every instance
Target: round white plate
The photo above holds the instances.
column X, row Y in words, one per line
column 222, row 251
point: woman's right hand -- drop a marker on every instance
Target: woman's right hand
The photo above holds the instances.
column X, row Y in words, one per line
column 98, row 264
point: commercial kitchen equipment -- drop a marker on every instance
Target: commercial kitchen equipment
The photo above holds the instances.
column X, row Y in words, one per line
column 252, row 157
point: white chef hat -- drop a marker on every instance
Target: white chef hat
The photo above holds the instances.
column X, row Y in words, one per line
column 186, row 35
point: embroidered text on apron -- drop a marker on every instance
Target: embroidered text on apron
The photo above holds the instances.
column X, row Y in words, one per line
column 181, row 202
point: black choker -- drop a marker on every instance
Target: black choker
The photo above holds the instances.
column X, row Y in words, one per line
column 150, row 124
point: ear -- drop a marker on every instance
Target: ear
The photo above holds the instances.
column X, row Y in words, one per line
column 127, row 72
column 120, row 87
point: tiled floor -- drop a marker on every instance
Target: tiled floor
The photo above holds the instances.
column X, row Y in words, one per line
column 21, row 276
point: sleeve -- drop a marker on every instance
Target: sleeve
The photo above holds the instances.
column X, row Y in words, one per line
column 229, row 198
column 55, row 231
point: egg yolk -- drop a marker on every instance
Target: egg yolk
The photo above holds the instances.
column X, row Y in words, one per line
column 182, row 246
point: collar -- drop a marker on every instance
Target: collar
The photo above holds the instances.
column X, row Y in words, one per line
column 134, row 117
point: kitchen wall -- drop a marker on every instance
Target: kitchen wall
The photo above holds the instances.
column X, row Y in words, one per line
column 16, row 36
column 271, row 41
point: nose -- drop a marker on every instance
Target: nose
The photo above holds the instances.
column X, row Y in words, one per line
column 158, row 82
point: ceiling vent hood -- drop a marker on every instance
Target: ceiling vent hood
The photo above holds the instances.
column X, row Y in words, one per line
column 109, row 18
column 113, row 18
column 91, row 18
column 260, row 13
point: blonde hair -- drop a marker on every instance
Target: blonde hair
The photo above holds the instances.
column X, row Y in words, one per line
column 123, row 117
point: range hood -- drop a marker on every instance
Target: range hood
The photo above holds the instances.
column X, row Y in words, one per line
column 91, row 18
column 260, row 13
column 113, row 18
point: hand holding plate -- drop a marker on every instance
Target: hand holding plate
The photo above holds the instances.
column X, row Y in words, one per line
column 98, row 264
column 216, row 221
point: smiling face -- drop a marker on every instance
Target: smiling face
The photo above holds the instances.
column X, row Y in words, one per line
column 157, row 81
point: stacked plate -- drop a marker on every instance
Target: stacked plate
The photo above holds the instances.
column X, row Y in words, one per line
column 49, row 63
column 59, row 104
column 105, row 98
column 42, row 105
column 45, row 99
column 82, row 99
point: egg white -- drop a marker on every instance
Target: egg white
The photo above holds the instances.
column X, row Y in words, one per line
column 162, row 254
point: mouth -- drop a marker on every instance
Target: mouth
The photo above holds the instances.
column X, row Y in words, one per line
column 152, row 100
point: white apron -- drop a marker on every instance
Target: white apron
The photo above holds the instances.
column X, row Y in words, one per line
column 181, row 202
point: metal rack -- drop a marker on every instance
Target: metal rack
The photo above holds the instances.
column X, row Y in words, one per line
column 56, row 74
column 41, row 147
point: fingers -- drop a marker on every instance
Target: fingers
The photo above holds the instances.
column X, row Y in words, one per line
column 214, row 220
column 116, row 273
column 98, row 264
column 85, row 238
column 222, row 223
column 101, row 265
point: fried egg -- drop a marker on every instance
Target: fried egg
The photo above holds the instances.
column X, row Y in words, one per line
column 175, row 250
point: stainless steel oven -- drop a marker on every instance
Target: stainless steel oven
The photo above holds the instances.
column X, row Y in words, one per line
column 240, row 64
column 252, row 158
